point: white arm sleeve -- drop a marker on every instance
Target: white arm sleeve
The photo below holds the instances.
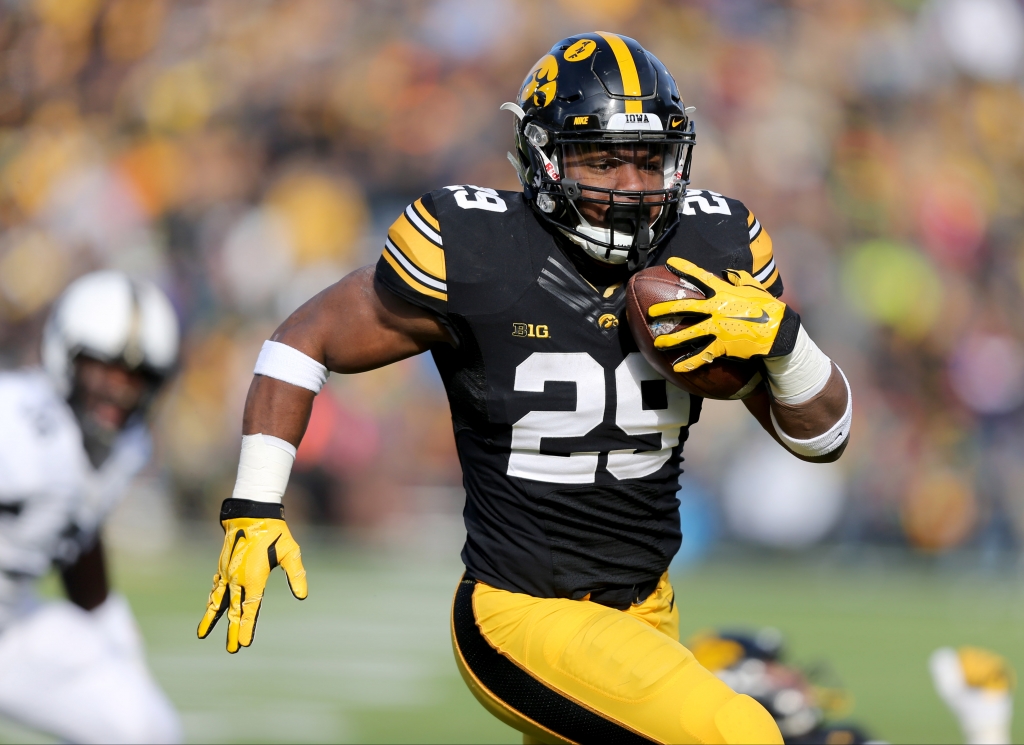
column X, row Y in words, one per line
column 263, row 468
column 281, row 362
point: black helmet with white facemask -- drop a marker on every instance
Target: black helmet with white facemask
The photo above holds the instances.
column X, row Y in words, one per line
column 596, row 114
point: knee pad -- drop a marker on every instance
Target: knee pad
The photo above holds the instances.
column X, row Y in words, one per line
column 743, row 720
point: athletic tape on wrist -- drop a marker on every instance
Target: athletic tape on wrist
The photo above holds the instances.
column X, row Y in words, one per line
column 825, row 443
column 264, row 466
column 801, row 374
column 281, row 362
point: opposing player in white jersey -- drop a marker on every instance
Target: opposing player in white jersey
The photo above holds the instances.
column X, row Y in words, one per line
column 72, row 436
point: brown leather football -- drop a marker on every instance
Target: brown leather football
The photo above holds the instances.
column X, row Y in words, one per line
column 724, row 378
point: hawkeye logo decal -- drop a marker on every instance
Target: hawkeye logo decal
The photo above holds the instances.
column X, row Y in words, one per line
column 580, row 50
column 608, row 321
column 540, row 83
column 529, row 331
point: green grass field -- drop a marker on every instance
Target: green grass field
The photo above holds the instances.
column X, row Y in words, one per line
column 367, row 657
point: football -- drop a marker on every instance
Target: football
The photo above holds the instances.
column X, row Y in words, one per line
column 725, row 378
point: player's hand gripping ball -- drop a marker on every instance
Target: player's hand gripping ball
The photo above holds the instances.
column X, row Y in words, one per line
column 703, row 333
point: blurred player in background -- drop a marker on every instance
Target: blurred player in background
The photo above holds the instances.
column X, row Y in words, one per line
column 565, row 624
column 72, row 437
column 753, row 663
column 976, row 684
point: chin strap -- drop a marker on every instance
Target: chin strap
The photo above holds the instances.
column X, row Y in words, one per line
column 638, row 254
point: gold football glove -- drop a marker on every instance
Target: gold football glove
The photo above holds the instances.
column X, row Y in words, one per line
column 986, row 670
column 256, row 539
column 741, row 318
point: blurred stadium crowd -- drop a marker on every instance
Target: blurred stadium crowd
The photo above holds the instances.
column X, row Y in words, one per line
column 246, row 153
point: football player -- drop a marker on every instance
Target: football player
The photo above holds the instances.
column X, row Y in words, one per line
column 753, row 663
column 565, row 625
column 72, row 436
column 976, row 684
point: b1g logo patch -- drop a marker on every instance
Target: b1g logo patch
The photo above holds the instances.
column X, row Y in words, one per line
column 529, row 331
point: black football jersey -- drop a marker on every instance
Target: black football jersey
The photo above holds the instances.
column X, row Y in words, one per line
column 570, row 442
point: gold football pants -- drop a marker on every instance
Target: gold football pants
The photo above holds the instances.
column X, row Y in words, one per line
column 575, row 671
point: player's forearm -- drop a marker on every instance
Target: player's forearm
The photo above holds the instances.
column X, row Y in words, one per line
column 276, row 408
column 818, row 414
column 811, row 404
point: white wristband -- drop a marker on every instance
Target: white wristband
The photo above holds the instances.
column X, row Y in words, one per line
column 825, row 443
column 801, row 374
column 281, row 362
column 264, row 466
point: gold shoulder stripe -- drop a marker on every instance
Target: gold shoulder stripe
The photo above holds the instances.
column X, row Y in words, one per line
column 771, row 279
column 417, row 248
column 627, row 69
column 428, row 218
column 753, row 227
column 425, row 230
column 420, row 288
column 761, row 248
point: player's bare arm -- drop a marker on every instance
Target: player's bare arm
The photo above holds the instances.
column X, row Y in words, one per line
column 353, row 326
column 806, row 421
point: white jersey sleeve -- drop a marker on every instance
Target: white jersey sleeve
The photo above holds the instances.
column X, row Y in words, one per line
column 42, row 470
column 52, row 501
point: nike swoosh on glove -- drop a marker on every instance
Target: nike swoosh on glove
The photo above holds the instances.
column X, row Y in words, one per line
column 737, row 318
column 256, row 539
